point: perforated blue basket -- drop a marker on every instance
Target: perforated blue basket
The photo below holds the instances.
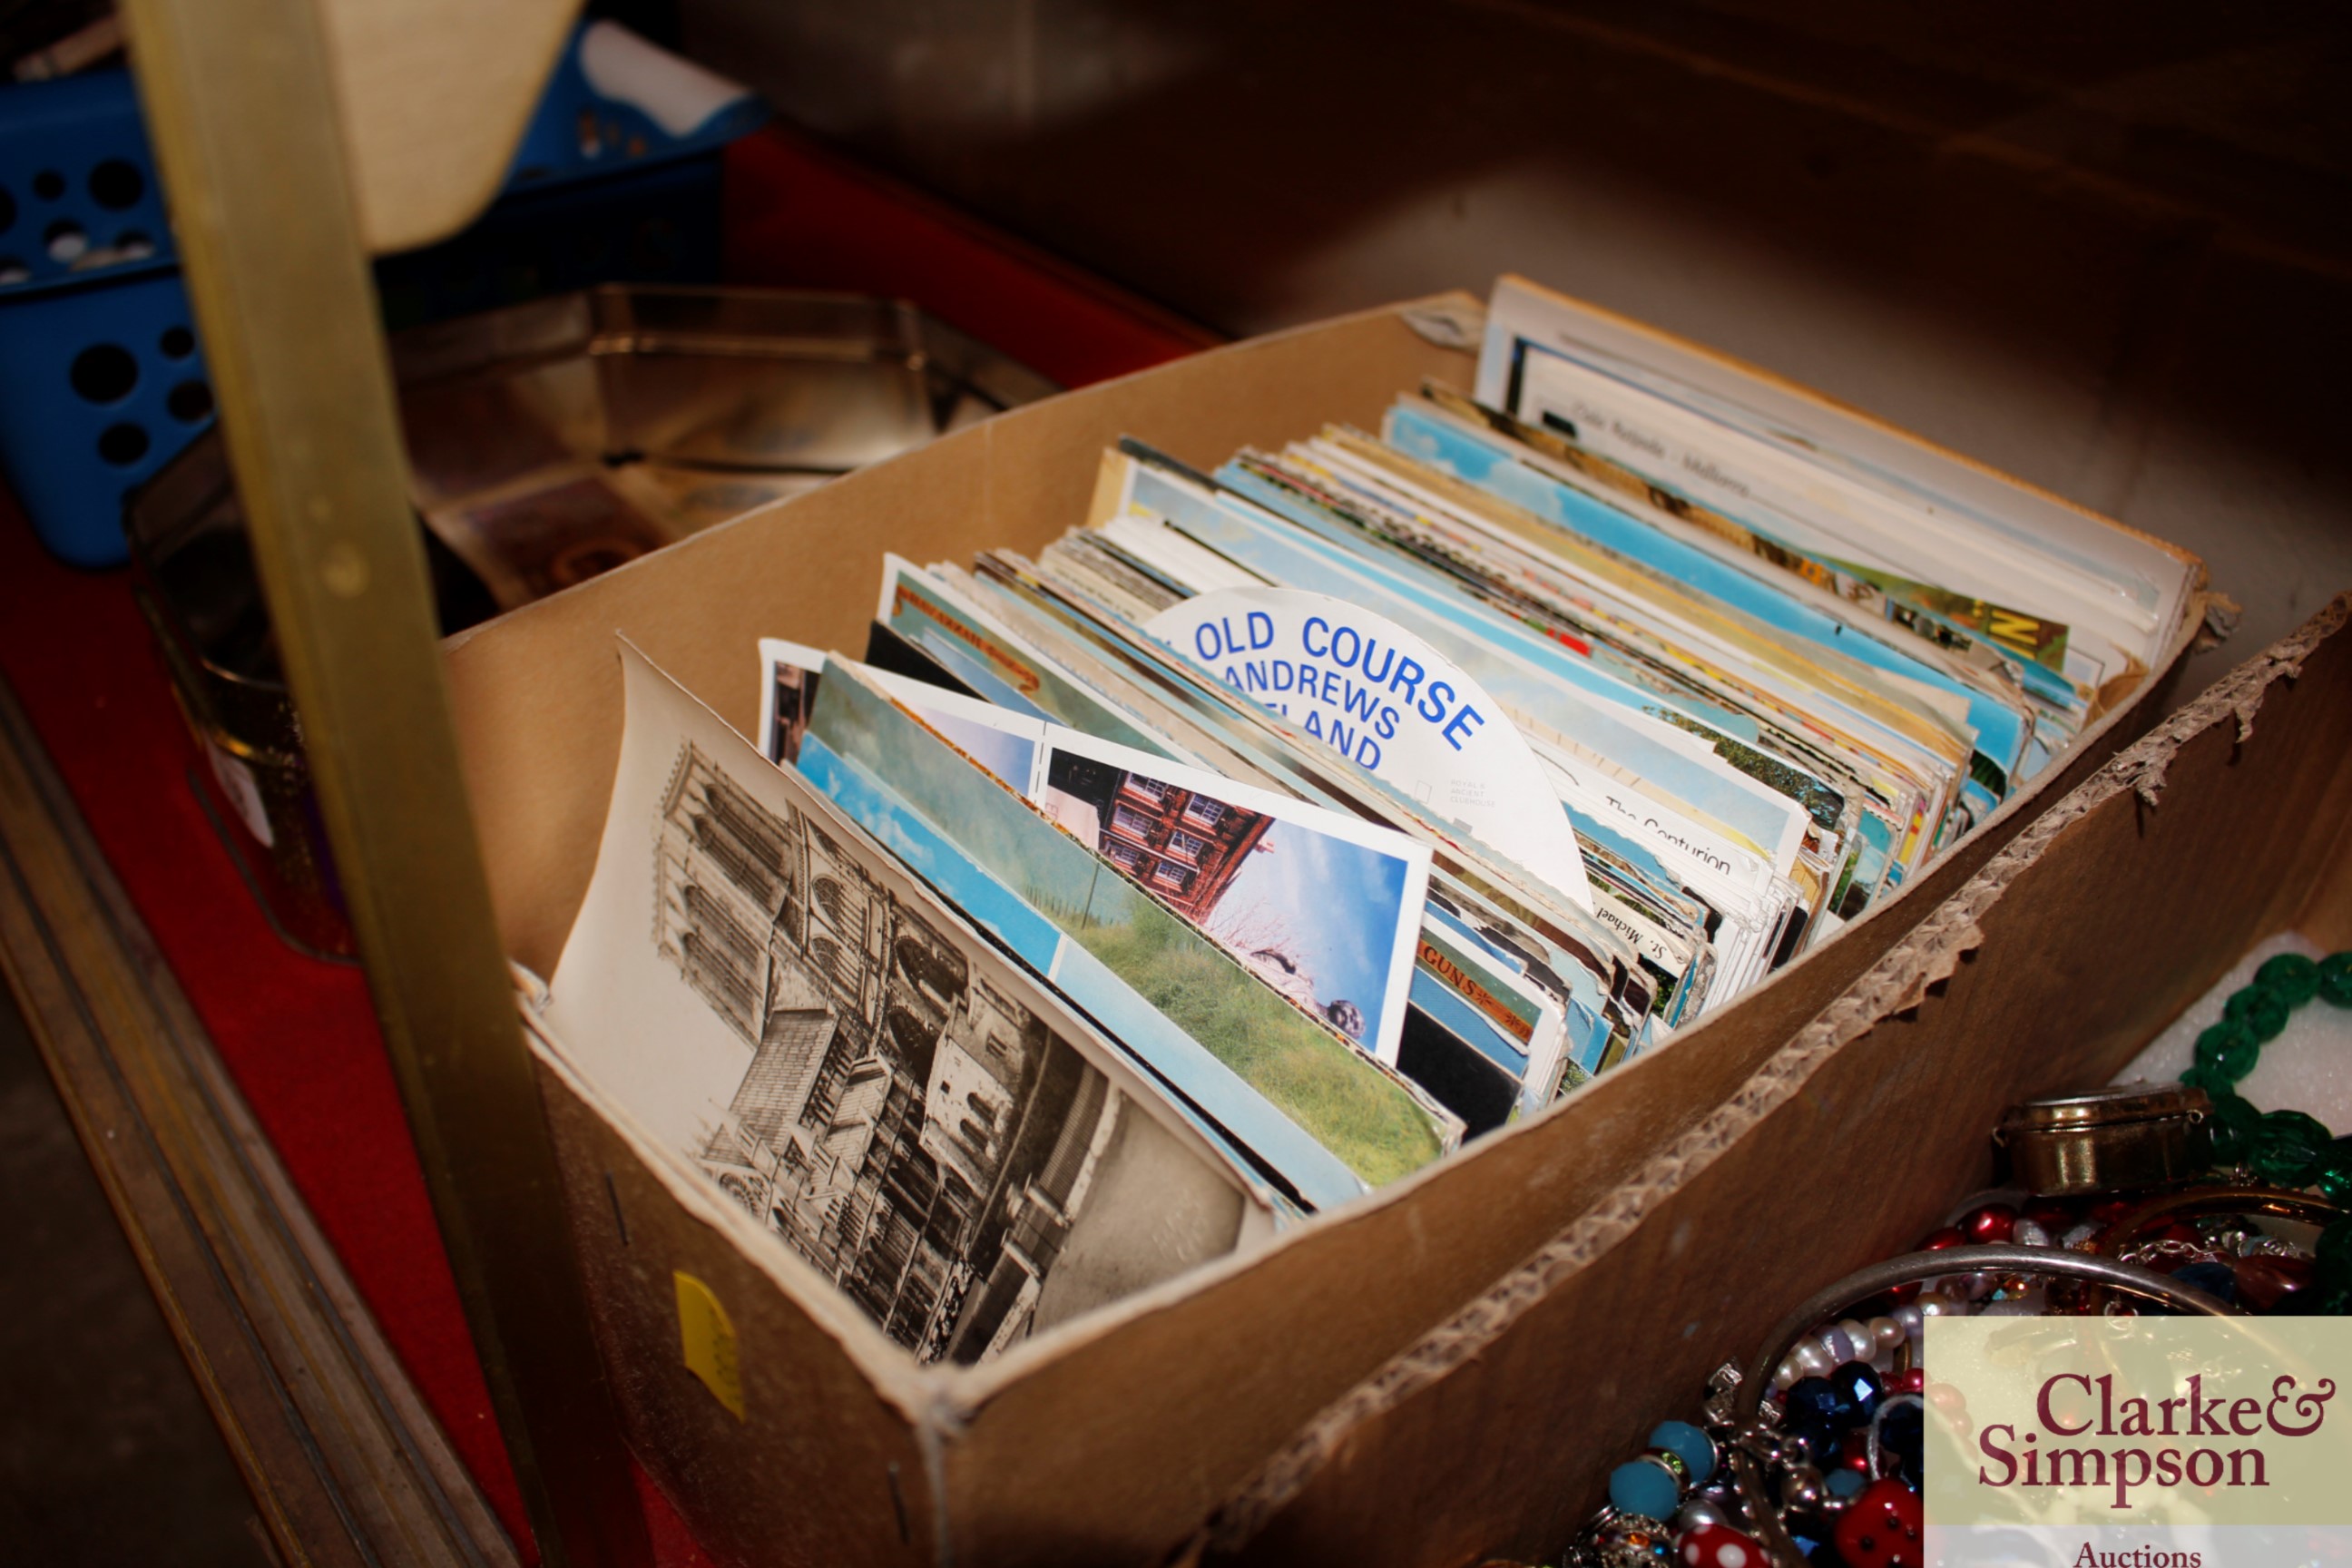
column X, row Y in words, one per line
column 79, row 198
column 101, row 378
column 99, row 386
column 100, row 382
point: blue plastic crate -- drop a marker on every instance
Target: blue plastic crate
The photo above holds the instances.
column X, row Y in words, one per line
column 99, row 386
column 79, row 196
column 92, row 400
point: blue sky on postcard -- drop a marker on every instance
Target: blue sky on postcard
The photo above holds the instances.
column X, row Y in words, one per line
column 1336, row 905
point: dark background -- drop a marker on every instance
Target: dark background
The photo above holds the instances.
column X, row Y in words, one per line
column 2105, row 245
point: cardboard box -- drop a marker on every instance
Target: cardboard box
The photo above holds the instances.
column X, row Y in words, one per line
column 2047, row 973
column 1110, row 1440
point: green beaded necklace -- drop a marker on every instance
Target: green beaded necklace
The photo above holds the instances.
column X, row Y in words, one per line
column 2283, row 1148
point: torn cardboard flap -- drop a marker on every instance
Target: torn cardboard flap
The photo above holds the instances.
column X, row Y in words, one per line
column 1449, row 323
column 2239, row 693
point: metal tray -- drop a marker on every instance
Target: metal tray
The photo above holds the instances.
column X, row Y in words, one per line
column 556, row 439
column 546, row 442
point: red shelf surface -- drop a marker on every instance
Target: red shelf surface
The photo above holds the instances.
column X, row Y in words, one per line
column 297, row 1033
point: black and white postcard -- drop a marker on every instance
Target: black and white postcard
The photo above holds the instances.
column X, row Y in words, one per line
column 781, row 1006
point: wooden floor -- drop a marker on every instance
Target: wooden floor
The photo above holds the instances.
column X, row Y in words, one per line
column 341, row 1462
column 101, row 1406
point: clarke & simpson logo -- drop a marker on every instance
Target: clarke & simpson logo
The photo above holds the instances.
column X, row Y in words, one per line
column 2138, row 1441
column 2129, row 1432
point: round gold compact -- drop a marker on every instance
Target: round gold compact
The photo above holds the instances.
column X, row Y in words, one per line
column 2131, row 1135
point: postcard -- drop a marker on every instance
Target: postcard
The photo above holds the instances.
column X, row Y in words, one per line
column 788, row 675
column 1322, row 907
column 991, row 659
column 2000, row 720
column 1481, row 999
column 1599, row 1021
column 1454, row 1053
column 1932, row 519
column 1799, row 734
column 1536, row 681
column 1286, row 751
column 1651, row 676
column 1388, row 703
column 1918, row 611
column 1327, row 1115
column 1878, row 718
column 1758, row 931
column 807, row 1027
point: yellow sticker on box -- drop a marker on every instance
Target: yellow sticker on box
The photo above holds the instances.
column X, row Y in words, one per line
column 707, row 1338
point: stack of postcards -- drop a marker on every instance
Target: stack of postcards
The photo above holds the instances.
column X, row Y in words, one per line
column 1277, row 829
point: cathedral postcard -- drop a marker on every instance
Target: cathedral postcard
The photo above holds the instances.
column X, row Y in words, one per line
column 799, row 1021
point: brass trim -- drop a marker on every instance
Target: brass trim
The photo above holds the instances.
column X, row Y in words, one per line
column 2105, row 1108
column 241, row 104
